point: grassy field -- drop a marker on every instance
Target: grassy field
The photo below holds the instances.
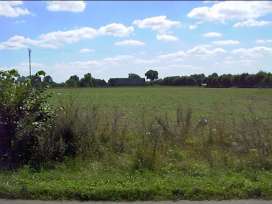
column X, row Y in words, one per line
column 161, row 100
column 172, row 158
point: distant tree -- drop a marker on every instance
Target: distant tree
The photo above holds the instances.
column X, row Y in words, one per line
column 73, row 81
column 199, row 78
column 152, row 75
column 133, row 76
column 212, row 80
column 225, row 81
column 87, row 81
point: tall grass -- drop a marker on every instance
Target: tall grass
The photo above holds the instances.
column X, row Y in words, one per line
column 219, row 141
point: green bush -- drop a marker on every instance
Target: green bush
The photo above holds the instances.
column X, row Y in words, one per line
column 26, row 122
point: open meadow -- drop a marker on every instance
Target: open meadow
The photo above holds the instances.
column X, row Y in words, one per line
column 204, row 102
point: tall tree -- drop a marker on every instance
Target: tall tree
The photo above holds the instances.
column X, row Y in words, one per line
column 152, row 75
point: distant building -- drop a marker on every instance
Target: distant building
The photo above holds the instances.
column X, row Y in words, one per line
column 126, row 82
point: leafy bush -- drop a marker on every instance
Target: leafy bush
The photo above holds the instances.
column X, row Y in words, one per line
column 26, row 122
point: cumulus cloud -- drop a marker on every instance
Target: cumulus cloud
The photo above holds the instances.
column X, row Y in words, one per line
column 116, row 29
column 68, row 6
column 166, row 37
column 253, row 52
column 177, row 56
column 199, row 50
column 195, row 25
column 267, row 41
column 12, row 9
column 226, row 42
column 205, row 51
column 157, row 23
column 17, row 42
column 86, row 50
column 130, row 43
column 212, row 35
column 232, row 10
column 251, row 23
column 192, row 27
column 56, row 39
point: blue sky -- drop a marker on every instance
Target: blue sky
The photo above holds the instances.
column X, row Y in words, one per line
column 112, row 39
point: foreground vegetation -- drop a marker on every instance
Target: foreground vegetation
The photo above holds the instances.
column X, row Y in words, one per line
column 136, row 143
column 90, row 180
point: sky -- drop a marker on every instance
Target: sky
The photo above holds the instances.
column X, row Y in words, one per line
column 114, row 38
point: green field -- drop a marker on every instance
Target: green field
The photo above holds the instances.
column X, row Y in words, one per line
column 160, row 100
column 174, row 157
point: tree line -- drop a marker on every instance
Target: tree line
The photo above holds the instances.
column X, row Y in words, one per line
column 245, row 80
column 259, row 80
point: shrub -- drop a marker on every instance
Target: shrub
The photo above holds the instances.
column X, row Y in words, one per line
column 26, row 122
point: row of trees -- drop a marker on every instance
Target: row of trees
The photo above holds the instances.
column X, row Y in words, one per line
column 88, row 81
column 245, row 80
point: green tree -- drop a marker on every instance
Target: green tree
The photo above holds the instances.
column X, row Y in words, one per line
column 152, row 75
column 87, row 81
column 73, row 81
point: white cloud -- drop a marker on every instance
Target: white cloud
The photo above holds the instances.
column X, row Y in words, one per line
column 203, row 50
column 177, row 56
column 116, row 29
column 86, row 50
column 157, row 23
column 199, row 50
column 232, row 10
column 264, row 41
column 195, row 25
column 226, row 42
column 17, row 42
column 56, row 39
column 253, row 52
column 70, row 6
column 192, row 27
column 212, row 35
column 12, row 9
column 251, row 23
column 130, row 43
column 166, row 37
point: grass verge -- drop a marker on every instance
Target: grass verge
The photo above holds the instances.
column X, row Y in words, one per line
column 94, row 181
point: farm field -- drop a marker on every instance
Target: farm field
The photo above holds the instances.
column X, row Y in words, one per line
column 204, row 102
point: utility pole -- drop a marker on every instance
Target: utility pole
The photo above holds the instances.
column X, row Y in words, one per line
column 29, row 61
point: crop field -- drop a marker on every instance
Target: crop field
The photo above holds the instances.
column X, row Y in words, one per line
column 133, row 102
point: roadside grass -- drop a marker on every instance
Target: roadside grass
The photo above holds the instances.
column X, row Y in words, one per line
column 96, row 181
